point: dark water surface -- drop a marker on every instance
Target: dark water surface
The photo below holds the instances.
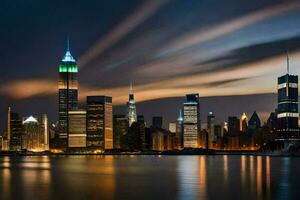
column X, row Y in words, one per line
column 149, row 177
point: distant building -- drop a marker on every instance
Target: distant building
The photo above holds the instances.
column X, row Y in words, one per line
column 157, row 121
column 16, row 131
column 179, row 131
column 287, row 109
column 191, row 121
column 210, row 128
column 67, row 94
column 233, row 126
column 44, row 128
column 99, row 122
column 172, row 127
column 162, row 140
column 34, row 134
column 120, row 127
column 243, row 123
column 254, row 122
column 131, row 108
column 77, row 128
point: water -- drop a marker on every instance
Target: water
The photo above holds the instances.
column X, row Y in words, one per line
column 149, row 177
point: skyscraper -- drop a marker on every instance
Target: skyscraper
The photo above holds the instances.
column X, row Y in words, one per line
column 233, row 126
column 191, row 121
column 67, row 94
column 179, row 131
column 44, row 128
column 34, row 134
column 120, row 131
column 99, row 122
column 16, row 131
column 210, row 128
column 287, row 109
column 131, row 109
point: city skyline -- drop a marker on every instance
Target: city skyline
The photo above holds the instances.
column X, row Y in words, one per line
column 225, row 68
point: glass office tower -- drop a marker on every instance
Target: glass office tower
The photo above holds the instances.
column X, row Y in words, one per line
column 287, row 110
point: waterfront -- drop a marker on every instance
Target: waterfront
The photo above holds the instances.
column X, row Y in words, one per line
column 149, row 177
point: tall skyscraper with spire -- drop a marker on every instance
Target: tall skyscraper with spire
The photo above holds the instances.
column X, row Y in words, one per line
column 67, row 93
column 131, row 109
column 287, row 109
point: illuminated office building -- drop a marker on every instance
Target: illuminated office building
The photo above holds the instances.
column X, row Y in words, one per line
column 131, row 108
column 33, row 139
column 99, row 122
column 191, row 121
column 77, row 128
column 287, row 109
column 68, row 94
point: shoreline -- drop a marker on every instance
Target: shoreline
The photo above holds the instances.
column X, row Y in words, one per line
column 209, row 153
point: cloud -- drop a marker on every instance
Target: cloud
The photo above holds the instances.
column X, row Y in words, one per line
column 130, row 23
column 210, row 33
column 22, row 89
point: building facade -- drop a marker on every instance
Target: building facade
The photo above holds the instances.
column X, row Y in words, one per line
column 16, row 132
column 120, row 129
column 191, row 121
column 77, row 128
column 34, row 134
column 99, row 122
column 287, row 109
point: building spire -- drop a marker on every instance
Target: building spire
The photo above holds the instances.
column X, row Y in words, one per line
column 180, row 118
column 130, row 88
column 68, row 42
column 287, row 62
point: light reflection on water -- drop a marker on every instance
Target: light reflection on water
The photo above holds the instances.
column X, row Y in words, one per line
column 149, row 177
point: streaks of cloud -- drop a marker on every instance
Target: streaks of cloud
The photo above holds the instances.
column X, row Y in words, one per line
column 253, row 78
column 207, row 34
column 249, row 78
column 22, row 89
column 142, row 13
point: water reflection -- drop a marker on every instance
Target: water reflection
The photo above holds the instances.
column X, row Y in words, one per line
column 148, row 177
column 268, row 177
column 202, row 177
column 243, row 172
column 259, row 177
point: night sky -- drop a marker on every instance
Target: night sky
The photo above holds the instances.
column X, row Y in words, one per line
column 230, row 52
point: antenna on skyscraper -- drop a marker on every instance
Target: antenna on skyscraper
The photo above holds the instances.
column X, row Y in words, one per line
column 68, row 42
column 131, row 89
column 287, row 62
